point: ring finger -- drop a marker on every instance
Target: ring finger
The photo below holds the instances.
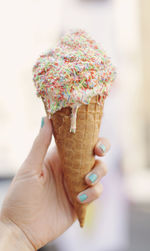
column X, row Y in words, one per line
column 97, row 173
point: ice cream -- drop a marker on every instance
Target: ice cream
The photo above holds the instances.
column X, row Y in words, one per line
column 76, row 70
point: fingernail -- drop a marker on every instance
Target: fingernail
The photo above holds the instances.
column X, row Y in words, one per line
column 93, row 177
column 82, row 197
column 42, row 122
column 102, row 148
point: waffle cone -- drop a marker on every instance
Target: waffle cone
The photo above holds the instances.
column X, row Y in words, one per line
column 77, row 149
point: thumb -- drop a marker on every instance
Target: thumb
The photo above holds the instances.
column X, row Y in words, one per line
column 40, row 144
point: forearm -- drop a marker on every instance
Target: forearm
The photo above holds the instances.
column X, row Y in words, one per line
column 13, row 239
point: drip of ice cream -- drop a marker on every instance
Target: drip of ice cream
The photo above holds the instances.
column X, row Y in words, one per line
column 72, row 73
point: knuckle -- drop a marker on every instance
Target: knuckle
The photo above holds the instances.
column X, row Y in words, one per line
column 104, row 168
column 98, row 162
column 97, row 191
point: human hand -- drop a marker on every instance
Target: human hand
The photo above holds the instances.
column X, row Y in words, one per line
column 37, row 202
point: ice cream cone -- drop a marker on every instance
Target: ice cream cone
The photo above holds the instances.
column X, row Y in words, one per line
column 66, row 77
column 77, row 149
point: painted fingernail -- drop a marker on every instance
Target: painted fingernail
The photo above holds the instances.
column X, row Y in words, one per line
column 82, row 197
column 102, row 148
column 42, row 122
column 93, row 177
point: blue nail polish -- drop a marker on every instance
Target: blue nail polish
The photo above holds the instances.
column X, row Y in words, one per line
column 93, row 177
column 42, row 122
column 102, row 148
column 82, row 197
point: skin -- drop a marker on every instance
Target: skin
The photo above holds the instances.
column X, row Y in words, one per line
column 37, row 207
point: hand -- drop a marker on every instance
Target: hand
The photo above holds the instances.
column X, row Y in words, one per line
column 37, row 201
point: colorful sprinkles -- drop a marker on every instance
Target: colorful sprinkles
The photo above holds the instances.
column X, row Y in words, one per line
column 72, row 73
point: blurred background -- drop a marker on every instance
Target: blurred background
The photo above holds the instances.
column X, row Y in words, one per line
column 120, row 219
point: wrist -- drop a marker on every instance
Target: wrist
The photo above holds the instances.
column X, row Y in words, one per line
column 12, row 238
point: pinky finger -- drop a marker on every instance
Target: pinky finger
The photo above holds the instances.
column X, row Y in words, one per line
column 90, row 194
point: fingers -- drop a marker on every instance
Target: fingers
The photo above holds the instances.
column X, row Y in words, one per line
column 102, row 146
column 90, row 194
column 41, row 144
column 92, row 179
column 97, row 173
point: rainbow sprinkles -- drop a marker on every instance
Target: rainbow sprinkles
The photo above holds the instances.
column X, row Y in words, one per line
column 72, row 73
